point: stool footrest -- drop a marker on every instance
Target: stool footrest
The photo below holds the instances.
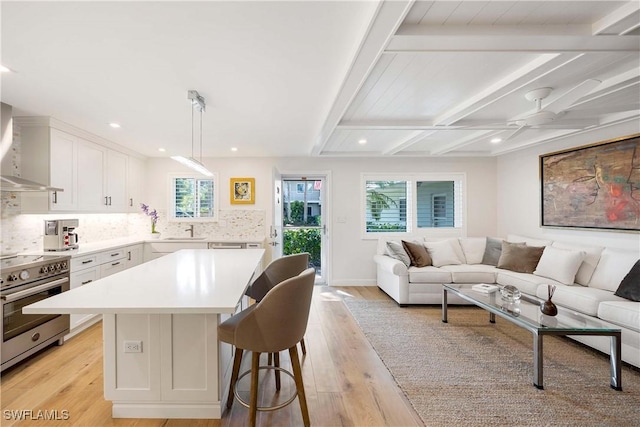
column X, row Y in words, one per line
column 264, row 408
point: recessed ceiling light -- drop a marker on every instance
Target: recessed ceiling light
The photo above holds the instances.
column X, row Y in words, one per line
column 496, row 140
column 4, row 69
column 114, row 125
column 362, row 141
column 234, row 149
column 162, row 150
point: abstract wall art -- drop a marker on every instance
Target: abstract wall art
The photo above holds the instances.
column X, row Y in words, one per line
column 596, row 186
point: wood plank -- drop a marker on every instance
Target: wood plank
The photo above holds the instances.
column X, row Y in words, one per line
column 345, row 381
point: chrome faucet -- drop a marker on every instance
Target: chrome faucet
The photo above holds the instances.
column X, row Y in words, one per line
column 190, row 229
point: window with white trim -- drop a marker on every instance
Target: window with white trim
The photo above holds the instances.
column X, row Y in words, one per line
column 193, row 198
column 410, row 203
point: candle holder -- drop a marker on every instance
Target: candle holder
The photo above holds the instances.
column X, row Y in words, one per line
column 548, row 307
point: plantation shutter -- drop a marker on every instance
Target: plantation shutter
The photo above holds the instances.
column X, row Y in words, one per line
column 386, row 206
column 193, row 198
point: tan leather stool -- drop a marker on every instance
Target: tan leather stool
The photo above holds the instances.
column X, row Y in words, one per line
column 278, row 322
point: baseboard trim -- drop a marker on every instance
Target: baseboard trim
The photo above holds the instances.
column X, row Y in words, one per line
column 166, row 410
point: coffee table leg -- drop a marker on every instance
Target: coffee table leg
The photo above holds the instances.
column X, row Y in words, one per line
column 615, row 356
column 444, row 305
column 537, row 361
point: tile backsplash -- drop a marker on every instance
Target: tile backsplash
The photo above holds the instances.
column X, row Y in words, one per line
column 24, row 233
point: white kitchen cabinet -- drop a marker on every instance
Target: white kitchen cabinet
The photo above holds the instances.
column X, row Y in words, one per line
column 135, row 184
column 115, row 188
column 134, row 255
column 94, row 176
column 49, row 156
column 81, row 278
column 112, row 262
column 91, row 171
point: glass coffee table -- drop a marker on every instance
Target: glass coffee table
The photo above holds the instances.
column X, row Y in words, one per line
column 526, row 314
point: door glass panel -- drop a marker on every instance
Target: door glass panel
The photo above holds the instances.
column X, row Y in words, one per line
column 14, row 322
column 302, row 219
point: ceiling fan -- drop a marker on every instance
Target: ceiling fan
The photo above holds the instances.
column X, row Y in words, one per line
column 547, row 116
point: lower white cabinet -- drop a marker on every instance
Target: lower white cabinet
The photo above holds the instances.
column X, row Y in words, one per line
column 89, row 268
column 134, row 255
column 82, row 278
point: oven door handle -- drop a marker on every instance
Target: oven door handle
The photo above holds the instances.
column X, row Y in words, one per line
column 34, row 290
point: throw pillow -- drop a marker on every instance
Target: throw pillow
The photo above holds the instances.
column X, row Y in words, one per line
column 492, row 251
column 417, row 253
column 396, row 250
column 442, row 253
column 519, row 258
column 560, row 265
column 473, row 248
column 630, row 286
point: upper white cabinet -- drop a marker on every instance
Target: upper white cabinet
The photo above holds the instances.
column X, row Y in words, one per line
column 115, row 187
column 95, row 177
column 135, row 184
column 62, row 170
column 91, row 171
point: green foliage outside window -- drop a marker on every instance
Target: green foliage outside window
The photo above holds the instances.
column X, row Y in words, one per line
column 303, row 240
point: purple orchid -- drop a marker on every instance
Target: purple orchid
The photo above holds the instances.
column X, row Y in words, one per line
column 152, row 213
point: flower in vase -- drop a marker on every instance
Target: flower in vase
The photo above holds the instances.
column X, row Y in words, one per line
column 153, row 214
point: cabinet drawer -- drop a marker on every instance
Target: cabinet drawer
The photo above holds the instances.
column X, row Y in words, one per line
column 84, row 262
column 112, row 255
column 113, row 267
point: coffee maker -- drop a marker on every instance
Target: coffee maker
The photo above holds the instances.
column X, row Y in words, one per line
column 59, row 234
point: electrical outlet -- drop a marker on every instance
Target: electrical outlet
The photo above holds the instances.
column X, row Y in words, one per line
column 133, row 346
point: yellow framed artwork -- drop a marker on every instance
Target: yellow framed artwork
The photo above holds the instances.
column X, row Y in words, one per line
column 243, row 191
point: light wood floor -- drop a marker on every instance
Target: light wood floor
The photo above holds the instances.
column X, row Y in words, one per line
column 345, row 381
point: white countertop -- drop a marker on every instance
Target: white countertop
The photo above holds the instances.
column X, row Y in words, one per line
column 186, row 281
column 105, row 245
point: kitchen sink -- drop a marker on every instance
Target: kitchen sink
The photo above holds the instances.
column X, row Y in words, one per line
column 184, row 238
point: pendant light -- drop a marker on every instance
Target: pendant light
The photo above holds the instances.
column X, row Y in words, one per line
column 197, row 102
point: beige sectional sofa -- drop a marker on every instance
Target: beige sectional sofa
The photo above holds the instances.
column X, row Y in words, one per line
column 586, row 298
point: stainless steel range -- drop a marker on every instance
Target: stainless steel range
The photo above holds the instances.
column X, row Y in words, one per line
column 24, row 280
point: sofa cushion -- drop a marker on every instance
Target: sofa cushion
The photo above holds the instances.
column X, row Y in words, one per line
column 527, row 283
column 429, row 275
column 530, row 241
column 559, row 264
column 473, row 248
column 623, row 313
column 396, row 250
column 578, row 298
column 443, row 253
column 417, row 254
column 614, row 264
column 591, row 258
column 519, row 258
column 492, row 251
column 630, row 286
column 477, row 273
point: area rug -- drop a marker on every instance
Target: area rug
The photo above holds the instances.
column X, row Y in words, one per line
column 469, row 372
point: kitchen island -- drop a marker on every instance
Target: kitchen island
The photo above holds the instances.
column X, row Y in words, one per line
column 162, row 358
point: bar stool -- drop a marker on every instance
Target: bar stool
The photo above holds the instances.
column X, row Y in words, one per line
column 270, row 326
column 278, row 270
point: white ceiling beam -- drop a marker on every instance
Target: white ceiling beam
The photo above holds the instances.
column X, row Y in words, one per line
column 407, row 143
column 387, row 125
column 621, row 21
column 468, row 140
column 388, row 18
column 542, row 39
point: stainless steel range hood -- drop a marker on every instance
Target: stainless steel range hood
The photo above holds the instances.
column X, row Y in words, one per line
column 14, row 183
column 8, row 182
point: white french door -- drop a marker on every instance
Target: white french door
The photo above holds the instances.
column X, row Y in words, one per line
column 305, row 218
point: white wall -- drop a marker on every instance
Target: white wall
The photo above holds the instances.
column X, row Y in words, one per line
column 351, row 257
column 518, row 185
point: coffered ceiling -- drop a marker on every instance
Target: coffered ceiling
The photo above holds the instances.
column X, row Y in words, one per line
column 425, row 78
